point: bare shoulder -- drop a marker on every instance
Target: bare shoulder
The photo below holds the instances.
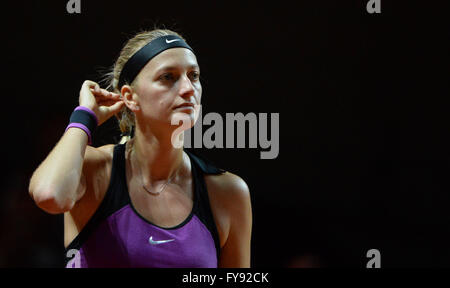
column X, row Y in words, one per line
column 229, row 197
column 228, row 185
column 232, row 210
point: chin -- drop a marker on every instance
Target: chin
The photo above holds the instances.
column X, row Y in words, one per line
column 184, row 120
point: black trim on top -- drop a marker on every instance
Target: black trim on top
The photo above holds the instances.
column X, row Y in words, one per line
column 205, row 165
column 204, row 212
column 115, row 201
column 111, row 203
column 194, row 209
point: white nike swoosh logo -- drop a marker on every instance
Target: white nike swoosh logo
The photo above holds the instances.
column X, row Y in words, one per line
column 155, row 242
column 170, row 41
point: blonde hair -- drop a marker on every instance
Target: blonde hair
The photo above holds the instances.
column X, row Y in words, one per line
column 126, row 117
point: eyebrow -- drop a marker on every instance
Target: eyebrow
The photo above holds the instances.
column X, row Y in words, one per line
column 169, row 68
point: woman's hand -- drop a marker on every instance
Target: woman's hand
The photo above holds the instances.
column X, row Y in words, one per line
column 104, row 103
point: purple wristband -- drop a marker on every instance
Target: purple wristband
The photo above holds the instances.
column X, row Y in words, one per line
column 89, row 111
column 82, row 127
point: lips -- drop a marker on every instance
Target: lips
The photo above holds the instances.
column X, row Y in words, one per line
column 187, row 104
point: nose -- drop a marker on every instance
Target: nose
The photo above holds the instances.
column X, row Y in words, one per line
column 186, row 87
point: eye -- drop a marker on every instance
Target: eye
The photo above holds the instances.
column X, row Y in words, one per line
column 195, row 75
column 167, row 77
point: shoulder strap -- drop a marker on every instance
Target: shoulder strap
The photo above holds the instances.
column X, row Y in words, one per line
column 207, row 166
column 200, row 168
column 114, row 199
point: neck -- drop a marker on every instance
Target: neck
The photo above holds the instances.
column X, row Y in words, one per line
column 155, row 155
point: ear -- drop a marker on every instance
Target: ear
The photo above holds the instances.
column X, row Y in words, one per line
column 130, row 98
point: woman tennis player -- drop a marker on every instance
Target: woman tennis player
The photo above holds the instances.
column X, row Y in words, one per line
column 144, row 202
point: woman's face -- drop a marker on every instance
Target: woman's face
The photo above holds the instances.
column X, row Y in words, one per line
column 168, row 80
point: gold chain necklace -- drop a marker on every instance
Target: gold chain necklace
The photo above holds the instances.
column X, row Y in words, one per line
column 142, row 178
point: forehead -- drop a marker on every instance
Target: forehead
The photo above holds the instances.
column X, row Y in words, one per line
column 174, row 57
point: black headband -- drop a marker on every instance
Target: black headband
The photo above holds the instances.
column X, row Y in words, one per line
column 135, row 64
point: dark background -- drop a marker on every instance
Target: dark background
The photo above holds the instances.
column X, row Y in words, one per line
column 362, row 98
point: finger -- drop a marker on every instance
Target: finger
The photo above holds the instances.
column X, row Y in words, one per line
column 90, row 84
column 98, row 90
column 106, row 102
column 87, row 87
column 113, row 109
column 105, row 94
column 114, row 95
column 117, row 106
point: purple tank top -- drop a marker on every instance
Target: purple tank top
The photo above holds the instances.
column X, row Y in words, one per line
column 118, row 236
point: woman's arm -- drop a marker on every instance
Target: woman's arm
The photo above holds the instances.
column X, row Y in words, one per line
column 235, row 253
column 59, row 180
column 57, row 183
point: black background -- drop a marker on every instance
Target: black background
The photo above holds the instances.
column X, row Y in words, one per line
column 362, row 98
